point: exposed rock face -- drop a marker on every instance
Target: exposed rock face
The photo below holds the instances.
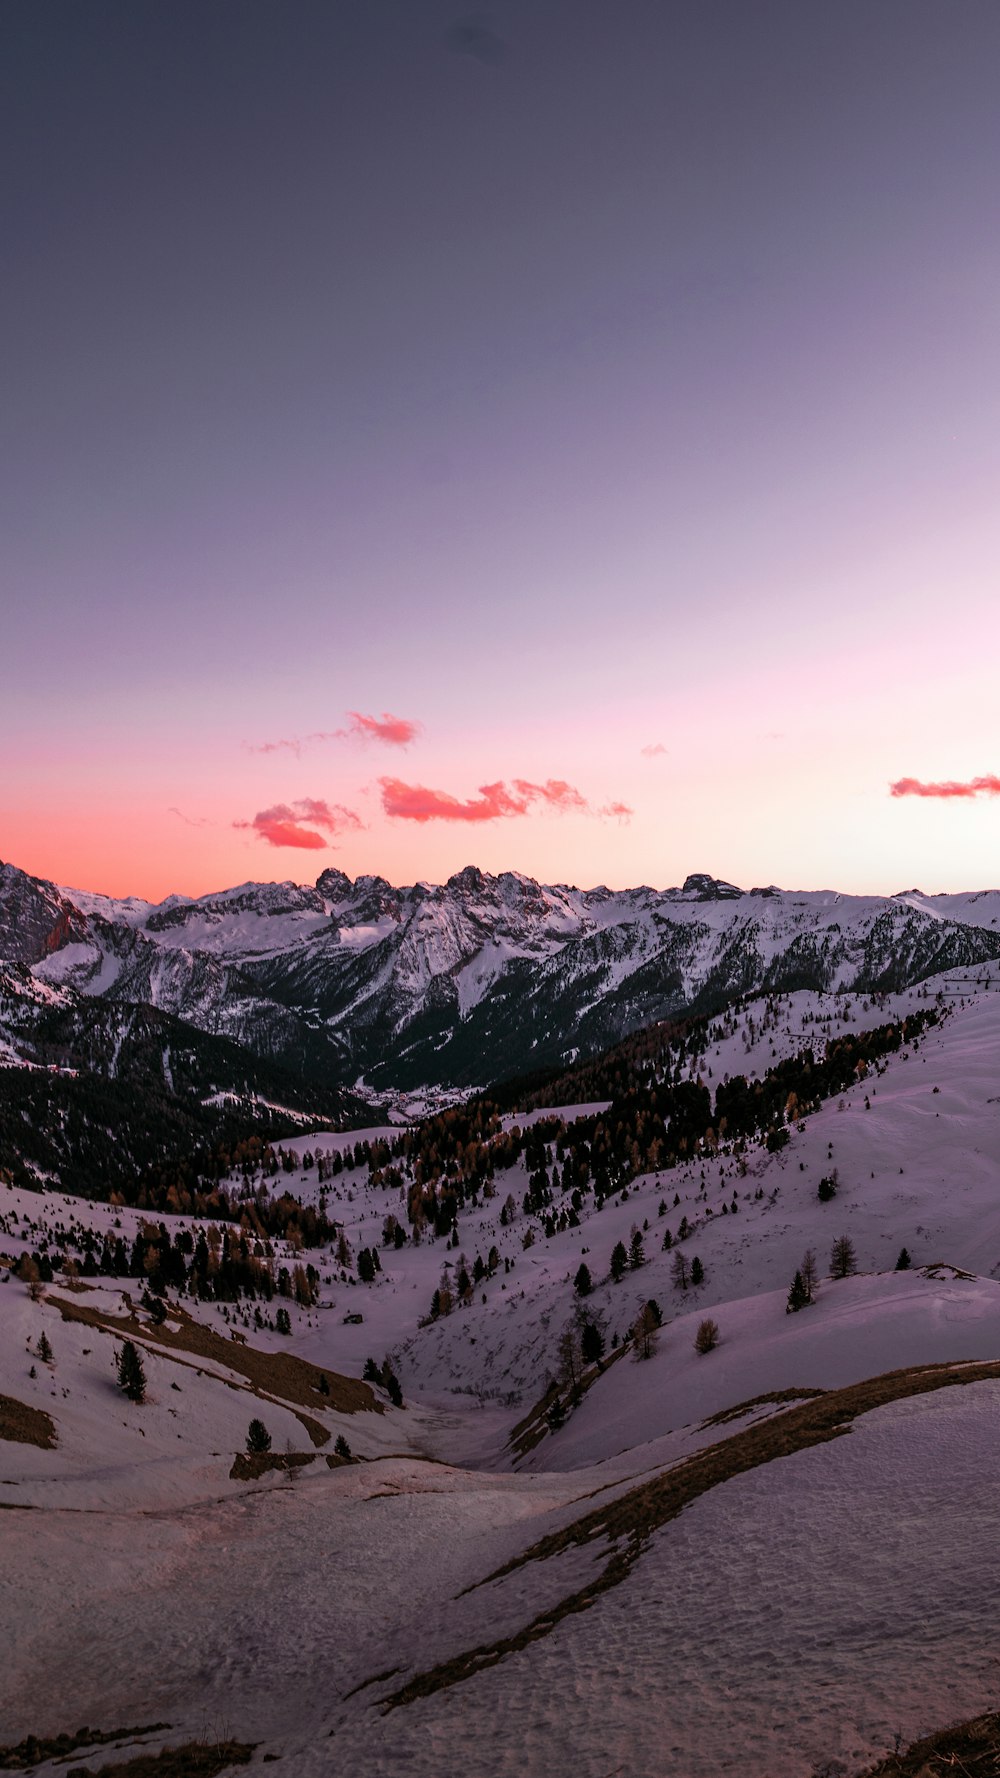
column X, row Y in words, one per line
column 460, row 983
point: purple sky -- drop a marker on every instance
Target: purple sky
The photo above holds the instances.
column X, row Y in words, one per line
column 608, row 390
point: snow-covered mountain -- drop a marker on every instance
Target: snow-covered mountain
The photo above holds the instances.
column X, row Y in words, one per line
column 483, row 976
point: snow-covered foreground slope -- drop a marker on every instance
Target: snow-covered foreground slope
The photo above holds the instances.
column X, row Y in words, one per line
column 767, row 1593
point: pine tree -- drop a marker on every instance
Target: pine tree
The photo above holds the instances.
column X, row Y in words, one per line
column 131, row 1375
column 583, row 1283
column 44, row 1348
column 707, row 1337
column 283, row 1321
column 679, row 1271
column 619, row 1261
column 371, row 1372
column 258, row 1438
column 342, row 1448
column 810, row 1272
column 798, row 1296
column 592, row 1343
column 903, row 1264
column 645, row 1332
column 636, row 1254
column 697, row 1272
column 842, row 1258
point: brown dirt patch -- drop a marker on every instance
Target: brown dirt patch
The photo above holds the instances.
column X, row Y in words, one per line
column 249, row 1466
column 270, row 1375
column 530, row 1431
column 196, row 1759
column 23, row 1425
column 629, row 1522
column 34, row 1748
column 967, row 1750
column 779, row 1398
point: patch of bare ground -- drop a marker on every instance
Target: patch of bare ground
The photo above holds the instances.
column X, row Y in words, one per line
column 629, row 1521
column 23, row 1425
column 775, row 1397
column 249, row 1466
column 530, row 1431
column 36, row 1748
column 968, row 1749
column 290, row 1379
column 281, row 1373
column 196, row 1759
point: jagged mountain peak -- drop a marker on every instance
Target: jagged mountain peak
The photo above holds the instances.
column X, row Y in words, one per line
column 459, row 983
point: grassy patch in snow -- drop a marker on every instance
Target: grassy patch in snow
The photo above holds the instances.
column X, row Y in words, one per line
column 969, row 1749
column 23, row 1425
column 630, row 1521
column 196, row 1759
column 270, row 1375
column 775, row 1397
column 249, row 1466
column 34, row 1749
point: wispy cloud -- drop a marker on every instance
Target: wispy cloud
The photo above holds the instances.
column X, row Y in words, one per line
column 654, row 750
column 188, row 820
column 286, row 823
column 391, row 731
column 395, row 731
column 950, row 787
column 494, row 802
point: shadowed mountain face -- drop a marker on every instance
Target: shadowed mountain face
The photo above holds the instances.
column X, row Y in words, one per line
column 467, row 982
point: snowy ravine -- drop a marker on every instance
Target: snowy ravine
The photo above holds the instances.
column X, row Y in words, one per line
column 776, row 1589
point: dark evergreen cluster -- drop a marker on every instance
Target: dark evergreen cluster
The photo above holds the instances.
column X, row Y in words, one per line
column 653, row 1122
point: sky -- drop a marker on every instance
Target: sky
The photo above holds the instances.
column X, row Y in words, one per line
column 558, row 436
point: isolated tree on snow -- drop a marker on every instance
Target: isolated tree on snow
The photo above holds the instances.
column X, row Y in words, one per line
column 371, row 1372
column 636, row 1253
column 679, row 1271
column 707, row 1337
column 342, row 1448
column 555, row 1415
column 591, row 1343
column 583, row 1283
column 827, row 1188
column 619, row 1261
column 568, row 1352
column 44, row 1348
column 697, row 1272
column 391, row 1384
column 258, row 1438
column 903, row 1263
column 810, row 1272
column 645, row 1332
column 283, row 1321
column 798, row 1296
column 131, row 1375
column 843, row 1260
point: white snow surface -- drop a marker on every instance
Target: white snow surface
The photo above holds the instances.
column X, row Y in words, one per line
column 794, row 1617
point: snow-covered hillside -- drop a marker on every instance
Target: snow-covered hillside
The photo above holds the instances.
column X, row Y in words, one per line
column 749, row 1559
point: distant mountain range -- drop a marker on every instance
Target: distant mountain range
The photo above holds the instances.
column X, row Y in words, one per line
column 344, row 987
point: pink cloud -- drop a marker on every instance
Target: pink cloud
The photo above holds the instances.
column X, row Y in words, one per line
column 284, row 824
column 415, row 802
column 616, row 812
column 290, row 746
column 986, row 786
column 654, row 750
column 395, row 731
